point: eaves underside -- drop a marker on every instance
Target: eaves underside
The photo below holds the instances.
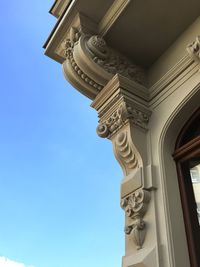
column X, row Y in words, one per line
column 57, row 23
column 166, row 65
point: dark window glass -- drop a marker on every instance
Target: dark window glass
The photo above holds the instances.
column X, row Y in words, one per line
column 187, row 157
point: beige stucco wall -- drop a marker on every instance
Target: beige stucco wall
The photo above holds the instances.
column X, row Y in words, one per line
column 174, row 53
column 165, row 244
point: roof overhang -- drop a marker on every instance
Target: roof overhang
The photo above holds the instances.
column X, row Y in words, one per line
column 59, row 7
column 137, row 33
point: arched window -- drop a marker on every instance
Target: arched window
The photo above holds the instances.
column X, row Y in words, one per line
column 187, row 157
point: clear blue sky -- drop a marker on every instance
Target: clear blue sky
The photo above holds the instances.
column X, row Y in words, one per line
column 59, row 182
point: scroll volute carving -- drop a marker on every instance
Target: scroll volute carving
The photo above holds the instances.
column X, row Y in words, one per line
column 135, row 204
column 90, row 63
column 120, row 128
column 125, row 151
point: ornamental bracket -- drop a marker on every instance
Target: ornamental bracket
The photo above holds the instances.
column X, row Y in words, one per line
column 90, row 63
column 124, row 119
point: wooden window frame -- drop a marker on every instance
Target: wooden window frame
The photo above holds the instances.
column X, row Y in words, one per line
column 183, row 153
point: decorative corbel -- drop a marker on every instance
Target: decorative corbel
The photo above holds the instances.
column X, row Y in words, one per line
column 193, row 50
column 90, row 63
column 121, row 116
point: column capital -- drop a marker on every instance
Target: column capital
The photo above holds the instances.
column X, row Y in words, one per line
column 121, row 101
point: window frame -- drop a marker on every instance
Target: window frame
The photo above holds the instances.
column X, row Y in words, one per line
column 184, row 152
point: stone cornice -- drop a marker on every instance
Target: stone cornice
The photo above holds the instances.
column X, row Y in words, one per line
column 54, row 46
column 112, row 15
column 66, row 20
column 175, row 77
column 172, row 74
column 89, row 63
column 58, row 7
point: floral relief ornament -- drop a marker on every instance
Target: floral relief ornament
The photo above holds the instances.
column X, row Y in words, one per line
column 69, row 45
column 112, row 61
column 194, row 49
column 135, row 206
column 118, row 119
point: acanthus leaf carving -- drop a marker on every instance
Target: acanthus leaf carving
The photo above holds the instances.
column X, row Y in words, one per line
column 90, row 63
column 193, row 50
column 69, row 44
column 135, row 206
column 112, row 61
column 98, row 48
column 108, row 127
column 74, row 36
column 115, row 121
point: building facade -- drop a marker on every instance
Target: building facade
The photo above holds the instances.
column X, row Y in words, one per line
column 139, row 63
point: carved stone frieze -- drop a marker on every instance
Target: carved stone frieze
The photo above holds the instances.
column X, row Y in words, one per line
column 194, row 50
column 113, row 62
column 135, row 206
column 90, row 63
column 108, row 127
